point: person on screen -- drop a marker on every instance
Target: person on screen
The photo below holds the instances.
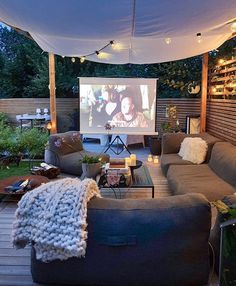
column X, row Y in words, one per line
column 129, row 117
column 106, row 106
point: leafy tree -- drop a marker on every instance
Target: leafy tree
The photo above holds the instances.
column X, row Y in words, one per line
column 24, row 70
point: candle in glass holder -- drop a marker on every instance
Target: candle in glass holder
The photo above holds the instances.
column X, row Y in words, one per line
column 133, row 159
column 150, row 158
column 127, row 162
column 155, row 159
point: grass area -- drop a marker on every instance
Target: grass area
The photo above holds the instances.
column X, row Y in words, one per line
column 22, row 169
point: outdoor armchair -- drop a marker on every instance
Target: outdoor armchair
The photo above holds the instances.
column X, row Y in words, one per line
column 65, row 150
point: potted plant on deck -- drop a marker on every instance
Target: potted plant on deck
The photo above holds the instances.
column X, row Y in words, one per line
column 91, row 166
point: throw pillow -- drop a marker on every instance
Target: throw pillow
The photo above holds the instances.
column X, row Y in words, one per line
column 193, row 150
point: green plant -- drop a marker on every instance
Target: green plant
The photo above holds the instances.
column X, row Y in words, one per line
column 172, row 124
column 9, row 141
column 90, row 159
column 228, row 259
column 3, row 119
column 33, row 142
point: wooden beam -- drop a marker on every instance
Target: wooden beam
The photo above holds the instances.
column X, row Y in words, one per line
column 204, row 92
column 52, row 88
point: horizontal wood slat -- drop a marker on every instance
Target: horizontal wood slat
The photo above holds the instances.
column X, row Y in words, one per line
column 185, row 107
column 221, row 119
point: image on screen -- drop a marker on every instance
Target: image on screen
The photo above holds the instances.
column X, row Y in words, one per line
column 126, row 105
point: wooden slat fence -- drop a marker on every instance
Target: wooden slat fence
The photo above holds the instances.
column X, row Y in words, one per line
column 65, row 106
column 221, row 119
column 185, row 107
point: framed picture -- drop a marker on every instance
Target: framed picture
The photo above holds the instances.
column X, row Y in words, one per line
column 193, row 124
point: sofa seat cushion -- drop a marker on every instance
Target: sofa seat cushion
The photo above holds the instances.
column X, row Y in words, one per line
column 71, row 163
column 172, row 159
column 198, row 179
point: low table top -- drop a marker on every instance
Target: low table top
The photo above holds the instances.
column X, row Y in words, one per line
column 141, row 179
column 36, row 182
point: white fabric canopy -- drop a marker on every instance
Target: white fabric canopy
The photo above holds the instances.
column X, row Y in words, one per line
column 79, row 27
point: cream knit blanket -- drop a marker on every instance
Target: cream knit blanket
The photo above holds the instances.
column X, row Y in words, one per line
column 53, row 216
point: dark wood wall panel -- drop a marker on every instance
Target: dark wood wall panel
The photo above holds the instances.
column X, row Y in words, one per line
column 221, row 118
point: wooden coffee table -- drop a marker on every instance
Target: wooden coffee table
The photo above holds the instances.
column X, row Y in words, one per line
column 36, row 182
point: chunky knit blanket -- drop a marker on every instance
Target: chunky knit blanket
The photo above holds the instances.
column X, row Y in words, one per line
column 53, row 216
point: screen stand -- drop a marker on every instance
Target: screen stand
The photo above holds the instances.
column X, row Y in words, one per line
column 118, row 142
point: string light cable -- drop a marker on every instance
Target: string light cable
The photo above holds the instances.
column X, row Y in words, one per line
column 97, row 52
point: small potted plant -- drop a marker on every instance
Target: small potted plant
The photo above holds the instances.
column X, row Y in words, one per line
column 91, row 166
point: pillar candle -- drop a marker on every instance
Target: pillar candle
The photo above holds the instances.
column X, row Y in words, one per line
column 150, row 158
column 133, row 159
column 127, row 162
column 156, row 160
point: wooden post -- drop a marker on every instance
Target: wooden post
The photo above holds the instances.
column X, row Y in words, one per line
column 204, row 92
column 52, row 89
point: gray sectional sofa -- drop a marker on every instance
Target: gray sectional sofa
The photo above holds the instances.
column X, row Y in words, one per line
column 138, row 242
column 215, row 178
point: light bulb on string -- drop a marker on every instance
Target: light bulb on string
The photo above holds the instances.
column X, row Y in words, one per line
column 82, row 59
column 233, row 27
column 214, row 89
column 168, row 41
column 112, row 43
column 199, row 38
column 73, row 60
column 220, row 61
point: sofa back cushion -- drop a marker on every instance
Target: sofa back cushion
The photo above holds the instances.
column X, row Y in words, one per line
column 141, row 239
column 193, row 150
column 65, row 143
column 171, row 142
column 223, row 161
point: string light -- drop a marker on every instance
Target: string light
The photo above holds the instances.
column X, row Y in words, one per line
column 199, row 38
column 214, row 89
column 221, row 61
column 99, row 52
column 82, row 59
column 168, row 41
column 233, row 27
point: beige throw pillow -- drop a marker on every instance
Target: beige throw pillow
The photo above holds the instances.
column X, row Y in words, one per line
column 193, row 150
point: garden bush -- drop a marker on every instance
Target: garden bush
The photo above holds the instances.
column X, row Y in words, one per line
column 29, row 143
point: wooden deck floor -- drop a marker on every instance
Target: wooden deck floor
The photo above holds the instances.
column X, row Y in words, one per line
column 15, row 264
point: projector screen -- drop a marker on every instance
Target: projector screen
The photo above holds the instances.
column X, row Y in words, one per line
column 127, row 105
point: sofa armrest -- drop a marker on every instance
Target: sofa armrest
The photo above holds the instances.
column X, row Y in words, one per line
column 51, row 157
